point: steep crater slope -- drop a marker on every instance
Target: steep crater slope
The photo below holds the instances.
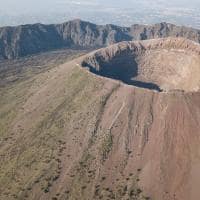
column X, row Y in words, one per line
column 158, row 64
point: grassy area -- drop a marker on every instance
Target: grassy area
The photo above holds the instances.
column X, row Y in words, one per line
column 106, row 146
column 33, row 157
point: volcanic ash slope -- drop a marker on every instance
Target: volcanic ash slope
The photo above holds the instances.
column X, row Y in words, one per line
column 128, row 130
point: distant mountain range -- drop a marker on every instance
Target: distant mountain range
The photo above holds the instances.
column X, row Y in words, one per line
column 25, row 40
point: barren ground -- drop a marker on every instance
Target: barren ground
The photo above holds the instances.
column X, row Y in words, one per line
column 69, row 134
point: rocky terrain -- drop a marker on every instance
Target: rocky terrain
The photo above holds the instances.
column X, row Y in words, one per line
column 162, row 64
column 12, row 71
column 67, row 133
column 25, row 40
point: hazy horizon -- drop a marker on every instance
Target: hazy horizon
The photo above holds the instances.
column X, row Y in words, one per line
column 126, row 12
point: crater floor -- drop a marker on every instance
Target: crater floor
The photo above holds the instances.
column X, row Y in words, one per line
column 159, row 64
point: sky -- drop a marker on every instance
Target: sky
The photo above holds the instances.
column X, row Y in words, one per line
column 21, row 6
column 121, row 12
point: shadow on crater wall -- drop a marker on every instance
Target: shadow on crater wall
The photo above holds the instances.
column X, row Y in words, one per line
column 123, row 68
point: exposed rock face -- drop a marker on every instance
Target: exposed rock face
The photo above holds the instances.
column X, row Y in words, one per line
column 162, row 64
column 142, row 32
column 29, row 39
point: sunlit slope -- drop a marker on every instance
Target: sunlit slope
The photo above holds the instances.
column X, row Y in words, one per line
column 69, row 134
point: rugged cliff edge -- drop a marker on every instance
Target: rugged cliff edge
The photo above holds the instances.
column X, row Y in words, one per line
column 25, row 40
column 159, row 64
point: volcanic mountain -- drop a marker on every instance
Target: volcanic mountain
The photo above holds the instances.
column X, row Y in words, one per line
column 25, row 40
column 121, row 122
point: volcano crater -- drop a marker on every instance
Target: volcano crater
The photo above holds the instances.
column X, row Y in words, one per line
column 160, row 64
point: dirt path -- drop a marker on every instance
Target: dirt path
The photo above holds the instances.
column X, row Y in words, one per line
column 117, row 115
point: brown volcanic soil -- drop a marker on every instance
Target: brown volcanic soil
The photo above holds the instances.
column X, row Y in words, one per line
column 74, row 135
